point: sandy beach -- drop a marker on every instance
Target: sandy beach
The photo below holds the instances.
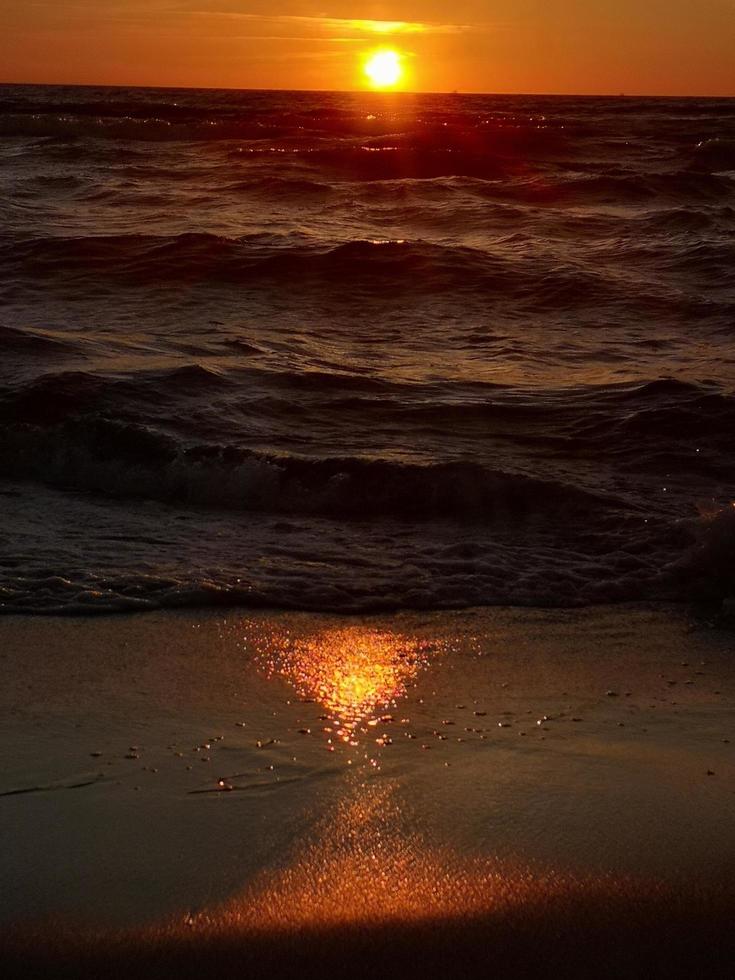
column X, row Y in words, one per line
column 519, row 788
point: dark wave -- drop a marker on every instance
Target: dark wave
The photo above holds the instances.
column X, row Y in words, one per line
column 158, row 260
column 624, row 400
column 154, row 129
column 502, row 157
column 713, row 155
column 675, row 187
column 128, row 460
column 683, row 221
column 279, row 187
column 24, row 342
column 624, row 420
column 82, row 431
column 189, row 558
column 407, row 266
column 620, row 412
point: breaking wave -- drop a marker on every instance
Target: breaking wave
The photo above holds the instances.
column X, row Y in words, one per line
column 130, row 461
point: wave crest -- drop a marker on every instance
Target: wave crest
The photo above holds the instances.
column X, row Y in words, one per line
column 124, row 459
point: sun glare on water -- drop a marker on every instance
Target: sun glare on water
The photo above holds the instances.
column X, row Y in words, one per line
column 383, row 69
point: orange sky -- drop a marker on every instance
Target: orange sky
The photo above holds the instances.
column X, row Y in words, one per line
column 678, row 47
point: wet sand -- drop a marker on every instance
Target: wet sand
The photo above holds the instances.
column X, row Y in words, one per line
column 294, row 794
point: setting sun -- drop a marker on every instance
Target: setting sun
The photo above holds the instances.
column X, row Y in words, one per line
column 383, row 68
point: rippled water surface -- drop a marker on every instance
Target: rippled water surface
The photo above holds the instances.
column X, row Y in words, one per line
column 355, row 351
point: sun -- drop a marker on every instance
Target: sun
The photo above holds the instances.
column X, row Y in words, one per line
column 383, row 68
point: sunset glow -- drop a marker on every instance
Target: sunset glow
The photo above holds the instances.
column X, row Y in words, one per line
column 366, row 484
column 383, row 68
column 600, row 47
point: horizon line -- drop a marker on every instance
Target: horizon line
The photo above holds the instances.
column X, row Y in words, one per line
column 365, row 91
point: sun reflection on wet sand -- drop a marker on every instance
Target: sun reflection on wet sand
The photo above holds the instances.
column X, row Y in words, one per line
column 374, row 870
column 364, row 864
column 355, row 673
column 370, row 893
column 368, row 862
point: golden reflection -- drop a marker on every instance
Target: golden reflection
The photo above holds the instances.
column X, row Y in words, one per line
column 368, row 863
column 364, row 864
column 356, row 673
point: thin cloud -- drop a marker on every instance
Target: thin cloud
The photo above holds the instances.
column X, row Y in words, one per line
column 343, row 26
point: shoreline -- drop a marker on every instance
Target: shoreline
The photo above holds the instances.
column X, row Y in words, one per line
column 704, row 613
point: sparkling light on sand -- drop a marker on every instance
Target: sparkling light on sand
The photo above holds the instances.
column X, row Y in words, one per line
column 355, row 673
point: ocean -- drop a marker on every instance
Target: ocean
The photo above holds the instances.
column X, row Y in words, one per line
column 357, row 352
